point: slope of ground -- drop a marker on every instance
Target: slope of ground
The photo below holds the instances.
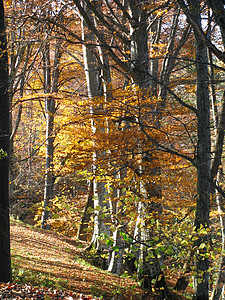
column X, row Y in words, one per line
column 46, row 259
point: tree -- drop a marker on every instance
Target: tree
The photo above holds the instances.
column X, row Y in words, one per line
column 5, row 263
column 203, row 159
column 94, row 86
column 51, row 82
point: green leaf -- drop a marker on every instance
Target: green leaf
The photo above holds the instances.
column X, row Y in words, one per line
column 115, row 248
column 104, row 210
column 3, row 153
column 109, row 242
column 98, row 208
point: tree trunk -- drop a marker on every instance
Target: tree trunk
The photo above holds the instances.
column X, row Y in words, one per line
column 141, row 65
column 219, row 127
column 116, row 254
column 5, row 263
column 219, row 282
column 82, row 231
column 51, row 86
column 116, row 260
column 94, row 86
column 203, row 160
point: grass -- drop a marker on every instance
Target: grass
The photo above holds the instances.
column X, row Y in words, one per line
column 22, row 275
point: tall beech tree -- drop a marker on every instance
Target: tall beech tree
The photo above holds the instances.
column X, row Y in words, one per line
column 140, row 63
column 203, row 159
column 5, row 263
column 205, row 174
column 94, row 86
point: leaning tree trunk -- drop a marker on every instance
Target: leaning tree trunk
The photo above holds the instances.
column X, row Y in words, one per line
column 203, row 160
column 5, row 263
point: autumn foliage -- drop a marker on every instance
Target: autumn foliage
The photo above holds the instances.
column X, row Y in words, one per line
column 134, row 137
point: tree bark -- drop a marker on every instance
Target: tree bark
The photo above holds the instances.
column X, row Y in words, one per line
column 203, row 159
column 140, row 63
column 5, row 263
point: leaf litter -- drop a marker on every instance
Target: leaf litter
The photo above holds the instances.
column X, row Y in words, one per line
column 59, row 261
column 19, row 291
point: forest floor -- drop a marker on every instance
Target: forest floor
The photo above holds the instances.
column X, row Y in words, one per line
column 49, row 266
column 45, row 258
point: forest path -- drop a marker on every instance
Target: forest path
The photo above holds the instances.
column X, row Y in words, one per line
column 43, row 258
